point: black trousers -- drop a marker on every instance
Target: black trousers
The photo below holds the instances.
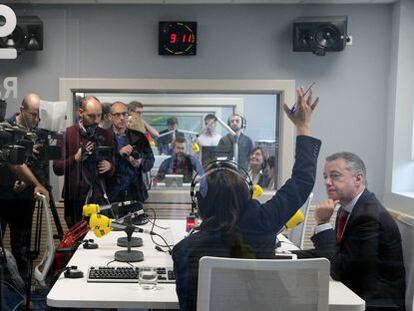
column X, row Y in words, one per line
column 17, row 214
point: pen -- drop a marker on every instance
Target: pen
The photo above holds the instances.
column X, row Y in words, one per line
column 293, row 109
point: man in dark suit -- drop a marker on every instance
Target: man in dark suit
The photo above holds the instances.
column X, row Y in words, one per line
column 365, row 247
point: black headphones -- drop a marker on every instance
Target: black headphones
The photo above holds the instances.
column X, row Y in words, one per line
column 215, row 166
column 243, row 120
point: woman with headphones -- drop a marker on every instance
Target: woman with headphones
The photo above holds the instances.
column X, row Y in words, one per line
column 258, row 167
column 234, row 224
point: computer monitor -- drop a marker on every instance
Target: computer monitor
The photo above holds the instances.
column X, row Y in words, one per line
column 172, row 180
column 213, row 153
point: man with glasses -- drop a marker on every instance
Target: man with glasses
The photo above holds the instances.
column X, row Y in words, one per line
column 365, row 247
column 17, row 186
column 134, row 158
column 81, row 176
column 137, row 122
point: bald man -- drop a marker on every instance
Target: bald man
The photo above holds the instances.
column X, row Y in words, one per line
column 134, row 158
column 18, row 183
column 79, row 172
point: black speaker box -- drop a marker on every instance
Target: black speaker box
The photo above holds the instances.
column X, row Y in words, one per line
column 27, row 36
column 319, row 34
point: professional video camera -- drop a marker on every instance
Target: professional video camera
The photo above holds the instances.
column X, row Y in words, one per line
column 98, row 152
column 15, row 146
column 48, row 151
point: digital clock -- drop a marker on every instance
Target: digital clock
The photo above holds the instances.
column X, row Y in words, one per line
column 177, row 38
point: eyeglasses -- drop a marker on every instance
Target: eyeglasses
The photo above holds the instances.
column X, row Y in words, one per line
column 119, row 114
column 33, row 114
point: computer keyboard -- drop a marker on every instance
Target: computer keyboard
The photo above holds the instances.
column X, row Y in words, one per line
column 126, row 274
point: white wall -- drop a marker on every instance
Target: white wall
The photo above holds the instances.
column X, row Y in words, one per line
column 235, row 42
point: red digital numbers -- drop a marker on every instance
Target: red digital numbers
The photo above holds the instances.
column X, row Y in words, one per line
column 174, row 38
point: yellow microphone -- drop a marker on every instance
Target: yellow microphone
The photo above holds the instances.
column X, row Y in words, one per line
column 196, row 147
column 257, row 191
column 100, row 225
column 296, row 220
column 89, row 209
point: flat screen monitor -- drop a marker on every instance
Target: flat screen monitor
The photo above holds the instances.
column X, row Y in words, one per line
column 174, row 180
column 213, row 153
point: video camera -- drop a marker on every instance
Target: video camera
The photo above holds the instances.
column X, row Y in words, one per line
column 98, row 152
column 47, row 152
column 15, row 146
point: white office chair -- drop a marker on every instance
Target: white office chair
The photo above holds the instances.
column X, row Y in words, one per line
column 406, row 226
column 226, row 284
column 297, row 234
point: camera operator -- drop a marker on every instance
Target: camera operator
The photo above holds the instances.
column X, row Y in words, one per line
column 133, row 159
column 83, row 170
column 17, row 194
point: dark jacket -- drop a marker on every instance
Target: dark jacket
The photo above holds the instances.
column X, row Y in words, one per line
column 76, row 185
column 369, row 257
column 188, row 167
column 257, row 226
column 127, row 182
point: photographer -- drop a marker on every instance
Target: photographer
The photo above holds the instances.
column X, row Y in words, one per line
column 84, row 170
column 134, row 157
column 17, row 193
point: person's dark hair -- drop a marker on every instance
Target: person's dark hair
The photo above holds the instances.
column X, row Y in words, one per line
column 265, row 155
column 354, row 163
column 106, row 109
column 226, row 197
column 209, row 117
column 172, row 121
column 271, row 162
column 180, row 140
column 135, row 104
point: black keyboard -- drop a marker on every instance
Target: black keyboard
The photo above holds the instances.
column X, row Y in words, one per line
column 126, row 274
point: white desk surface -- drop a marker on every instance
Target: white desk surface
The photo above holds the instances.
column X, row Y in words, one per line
column 78, row 293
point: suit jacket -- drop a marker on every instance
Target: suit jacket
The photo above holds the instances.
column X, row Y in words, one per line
column 369, row 257
column 76, row 186
column 256, row 228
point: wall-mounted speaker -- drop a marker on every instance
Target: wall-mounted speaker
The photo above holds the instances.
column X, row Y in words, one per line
column 320, row 34
column 27, row 36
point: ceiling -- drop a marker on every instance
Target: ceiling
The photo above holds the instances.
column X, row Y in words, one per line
column 196, row 1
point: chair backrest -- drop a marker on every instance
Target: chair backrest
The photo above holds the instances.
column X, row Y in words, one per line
column 262, row 284
column 297, row 234
column 406, row 226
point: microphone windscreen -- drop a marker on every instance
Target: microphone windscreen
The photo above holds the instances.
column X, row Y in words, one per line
column 99, row 233
column 89, row 209
column 257, row 191
column 196, row 148
column 296, row 220
column 100, row 224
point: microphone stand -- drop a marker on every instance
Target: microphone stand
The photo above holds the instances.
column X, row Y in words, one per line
column 129, row 255
column 129, row 241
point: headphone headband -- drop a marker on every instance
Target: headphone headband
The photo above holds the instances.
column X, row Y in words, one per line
column 215, row 166
column 243, row 120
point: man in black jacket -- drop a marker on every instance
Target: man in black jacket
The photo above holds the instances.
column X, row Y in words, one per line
column 365, row 247
column 134, row 158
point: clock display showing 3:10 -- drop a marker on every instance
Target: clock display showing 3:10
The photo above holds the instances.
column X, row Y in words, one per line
column 177, row 38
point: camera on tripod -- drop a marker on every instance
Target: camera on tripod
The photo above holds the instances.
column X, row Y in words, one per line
column 15, row 147
column 47, row 152
column 99, row 152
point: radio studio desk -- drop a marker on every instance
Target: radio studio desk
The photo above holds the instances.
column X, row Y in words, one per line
column 78, row 293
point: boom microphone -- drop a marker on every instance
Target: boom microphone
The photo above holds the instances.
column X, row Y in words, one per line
column 102, row 225
column 257, row 191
